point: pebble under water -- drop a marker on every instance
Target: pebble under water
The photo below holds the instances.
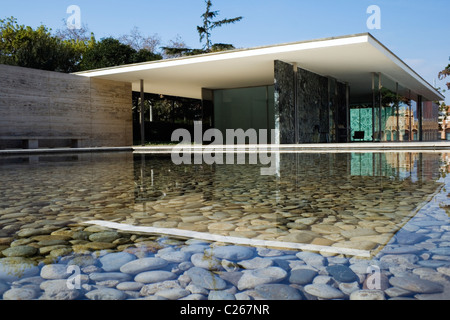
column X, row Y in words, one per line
column 122, row 226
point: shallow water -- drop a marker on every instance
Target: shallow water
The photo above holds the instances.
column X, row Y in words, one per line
column 326, row 226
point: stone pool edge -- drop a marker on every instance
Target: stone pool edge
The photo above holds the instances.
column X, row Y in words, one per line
column 436, row 146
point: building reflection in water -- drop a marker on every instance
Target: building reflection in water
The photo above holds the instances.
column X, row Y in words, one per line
column 317, row 199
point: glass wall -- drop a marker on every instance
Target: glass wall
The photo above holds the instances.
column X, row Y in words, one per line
column 377, row 110
column 244, row 108
column 430, row 124
column 361, row 122
column 389, row 110
column 392, row 113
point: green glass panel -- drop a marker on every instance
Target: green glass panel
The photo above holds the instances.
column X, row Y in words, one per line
column 361, row 120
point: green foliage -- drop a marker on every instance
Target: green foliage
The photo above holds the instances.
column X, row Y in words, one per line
column 204, row 31
column 444, row 74
column 111, row 52
column 25, row 47
column 67, row 51
column 144, row 55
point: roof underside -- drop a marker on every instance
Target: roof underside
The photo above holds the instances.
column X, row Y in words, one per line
column 350, row 59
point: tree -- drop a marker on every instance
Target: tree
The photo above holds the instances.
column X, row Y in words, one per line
column 178, row 48
column 110, row 52
column 137, row 41
column 208, row 25
column 145, row 55
column 444, row 74
column 107, row 53
column 73, row 34
column 25, row 47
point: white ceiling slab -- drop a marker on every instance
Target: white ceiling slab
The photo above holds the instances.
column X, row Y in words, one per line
column 350, row 59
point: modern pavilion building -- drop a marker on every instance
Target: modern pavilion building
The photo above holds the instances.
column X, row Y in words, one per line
column 342, row 89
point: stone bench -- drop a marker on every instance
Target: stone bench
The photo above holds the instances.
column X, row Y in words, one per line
column 32, row 142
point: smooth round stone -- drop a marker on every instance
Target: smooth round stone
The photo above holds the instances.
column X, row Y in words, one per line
column 235, row 253
column 342, row 273
column 154, row 276
column 298, row 237
column 176, row 256
column 206, row 279
column 401, row 250
column 302, row 276
column 114, row 261
column 445, row 251
column 206, row 261
column 256, row 263
column 3, row 287
column 142, row 265
column 105, row 236
column 81, row 235
column 358, row 232
column 60, row 252
column 312, row 259
column 220, row 295
column 221, row 226
column 409, row 238
column 130, row 286
column 324, row 291
column 83, row 261
column 278, row 292
column 58, row 290
column 106, row 276
column 444, row 270
column 416, row 284
column 30, row 232
column 195, row 248
column 265, row 252
column 432, row 263
column 400, row 259
column 367, row 295
column 106, row 294
column 326, row 229
column 54, row 272
column 348, row 287
column 15, row 268
column 20, row 251
column 173, row 294
column 151, row 289
column 95, row 246
column 20, row 294
column 251, row 279
column 52, row 242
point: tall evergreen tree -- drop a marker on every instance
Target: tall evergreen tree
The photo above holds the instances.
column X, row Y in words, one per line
column 205, row 30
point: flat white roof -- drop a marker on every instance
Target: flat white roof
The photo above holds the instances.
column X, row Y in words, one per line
column 350, row 59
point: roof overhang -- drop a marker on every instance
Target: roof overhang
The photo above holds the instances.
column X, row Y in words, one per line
column 350, row 59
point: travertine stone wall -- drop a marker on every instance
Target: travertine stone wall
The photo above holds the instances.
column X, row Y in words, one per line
column 43, row 104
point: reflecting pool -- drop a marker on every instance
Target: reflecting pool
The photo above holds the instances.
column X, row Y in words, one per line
column 136, row 226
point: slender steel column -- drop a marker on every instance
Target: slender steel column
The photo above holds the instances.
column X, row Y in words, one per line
column 347, row 110
column 296, row 124
column 142, row 113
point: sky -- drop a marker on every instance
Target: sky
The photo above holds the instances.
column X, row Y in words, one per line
column 417, row 31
